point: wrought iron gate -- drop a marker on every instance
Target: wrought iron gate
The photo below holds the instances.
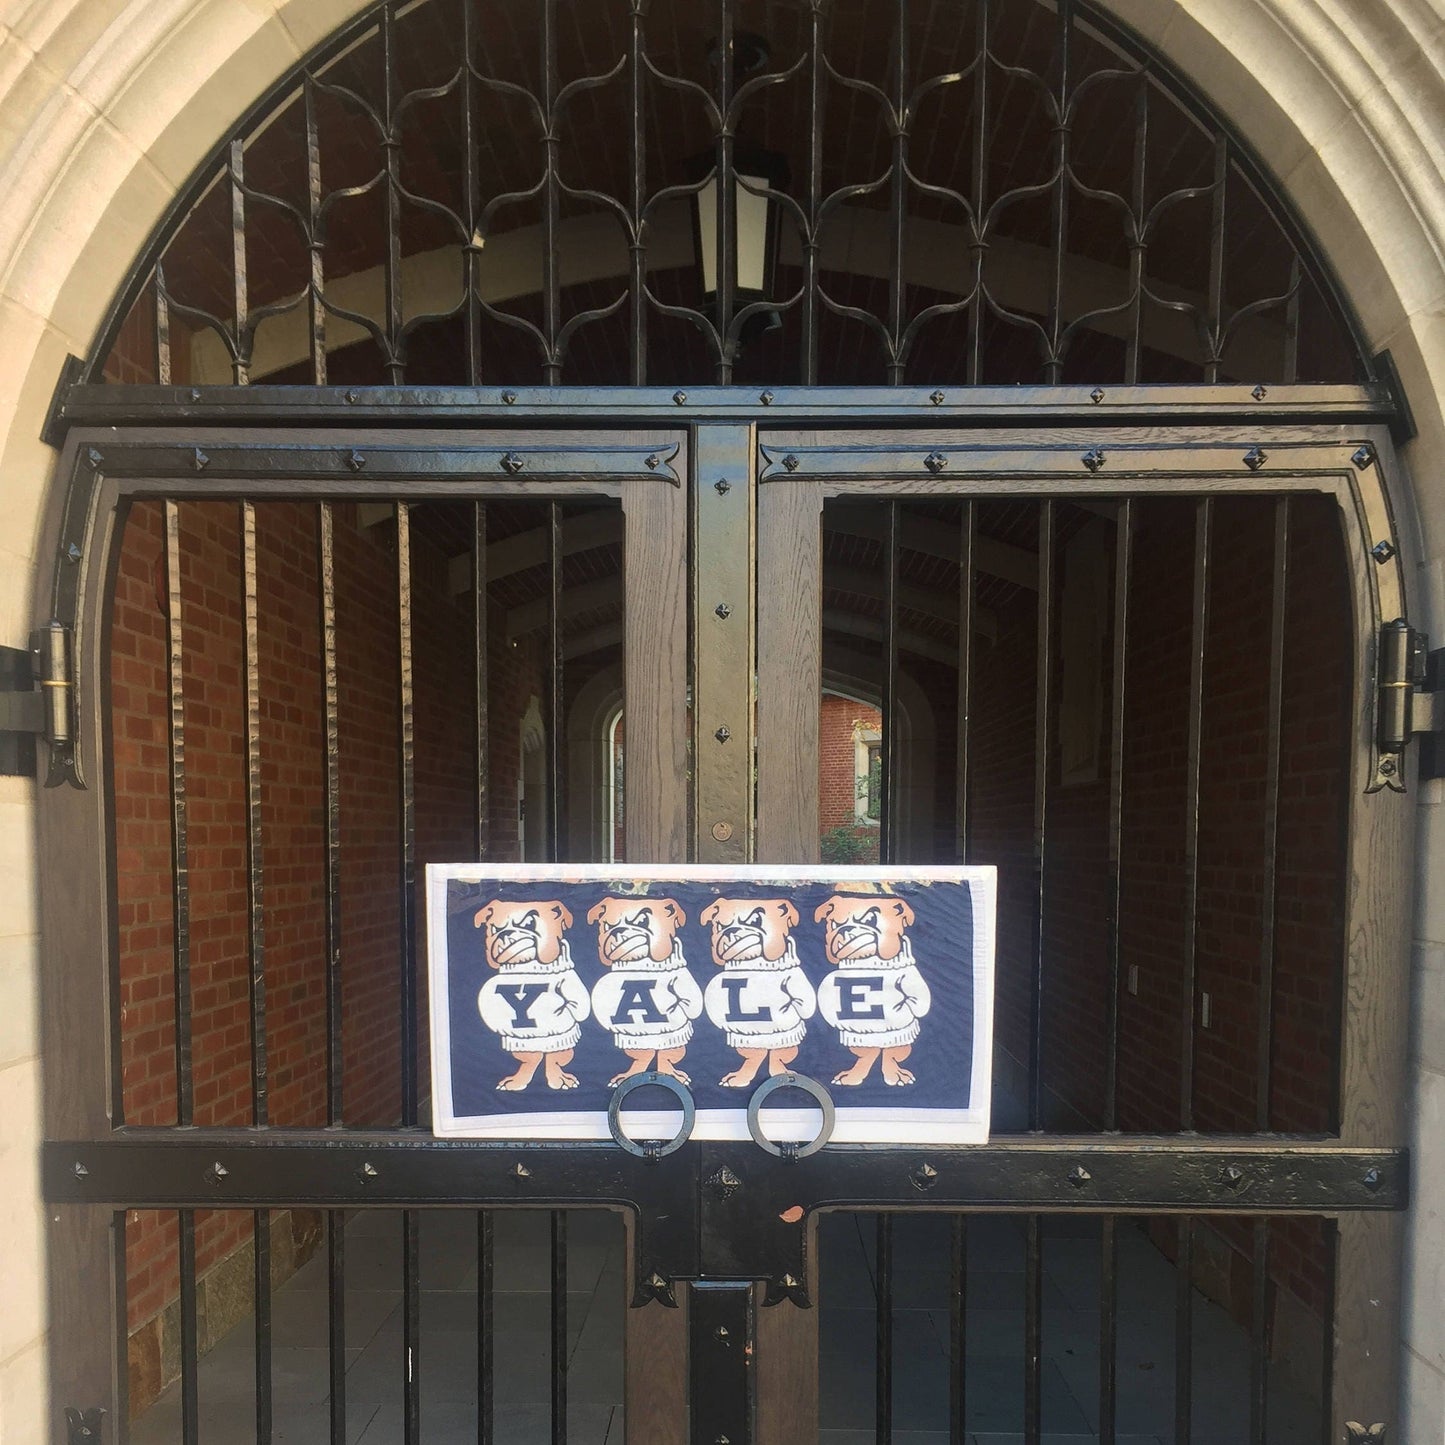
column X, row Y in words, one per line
column 722, row 1232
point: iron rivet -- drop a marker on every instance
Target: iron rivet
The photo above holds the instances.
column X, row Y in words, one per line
column 679, row 397
column 722, row 1333
column 724, row 1184
column 351, row 395
column 217, row 1172
column 1255, row 458
column 1260, row 392
column 94, row 457
column 73, row 553
column 195, row 393
column 1093, row 459
column 1363, row 456
column 509, row 397
column 1371, row 1181
column 936, row 397
column 199, row 460
column 722, row 488
column 924, row 1177
column 80, row 1171
column 935, row 462
column 1097, row 395
column 1388, row 767
column 367, row 1172
column 511, row 462
column 356, row 461
column 766, row 398
column 652, row 462
column 723, row 611
column 723, row 733
column 1079, row 1176
column 1382, row 551
column 790, row 463
column 521, row 1170
column 722, row 1440
column 1232, row 1175
column 722, row 831
column 656, row 1281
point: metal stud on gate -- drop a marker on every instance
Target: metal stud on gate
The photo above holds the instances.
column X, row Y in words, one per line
column 788, row 1149
column 651, row 1149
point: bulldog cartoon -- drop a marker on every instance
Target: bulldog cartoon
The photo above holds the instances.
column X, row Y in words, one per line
column 875, row 995
column 536, row 1002
column 647, row 998
column 762, row 998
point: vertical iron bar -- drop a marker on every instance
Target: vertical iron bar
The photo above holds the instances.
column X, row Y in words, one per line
column 163, row 329
column 813, row 241
column 727, row 259
column 637, row 248
column 889, row 809
column 958, row 1335
column 1033, row 1328
column 1203, row 516
column 1259, row 1336
column 486, row 1403
column 483, row 740
column 411, row 1324
column 255, row 902
column 551, row 197
column 898, row 197
column 1216, row 258
column 336, row 1321
column 391, row 148
column 260, row 1110
column 559, row 1327
column 1108, row 1326
column 966, row 532
column 241, row 361
column 1054, row 365
column 1184, row 1334
column 314, row 193
column 1290, row 369
column 1043, row 734
column 331, row 714
column 471, row 252
column 977, row 307
column 1264, row 1008
column 407, row 775
column 1139, row 247
column 883, row 1314
column 180, row 840
column 1123, row 565
column 190, row 1333
column 556, row 753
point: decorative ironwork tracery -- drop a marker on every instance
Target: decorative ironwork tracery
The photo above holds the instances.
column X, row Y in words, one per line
column 499, row 191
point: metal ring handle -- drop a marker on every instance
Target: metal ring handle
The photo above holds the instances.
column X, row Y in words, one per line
column 651, row 1149
column 790, row 1150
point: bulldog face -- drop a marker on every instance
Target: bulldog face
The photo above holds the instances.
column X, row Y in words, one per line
column 522, row 933
column 748, row 928
column 631, row 929
column 865, row 927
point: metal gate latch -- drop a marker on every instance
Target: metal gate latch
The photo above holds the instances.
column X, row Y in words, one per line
column 1412, row 699
column 36, row 701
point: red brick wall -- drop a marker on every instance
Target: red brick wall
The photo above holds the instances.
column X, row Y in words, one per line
column 839, row 722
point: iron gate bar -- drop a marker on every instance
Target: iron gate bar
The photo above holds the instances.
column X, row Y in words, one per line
column 1259, row 1335
column 336, row 1322
column 559, row 1327
column 1043, row 761
column 883, row 1329
column 1108, row 1327
column 958, row 1331
column 406, row 801
column 180, row 834
column 483, row 677
column 1226, row 404
column 331, row 715
column 1184, row 1332
column 966, row 587
column 486, row 1339
column 1033, row 1328
column 1113, row 890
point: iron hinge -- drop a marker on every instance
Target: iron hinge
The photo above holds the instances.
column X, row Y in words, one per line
column 83, row 1427
column 37, row 700
column 1412, row 697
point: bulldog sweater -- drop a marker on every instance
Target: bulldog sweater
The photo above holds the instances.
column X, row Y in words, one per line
column 535, row 1007
column 762, row 1003
column 648, row 1005
column 875, row 1003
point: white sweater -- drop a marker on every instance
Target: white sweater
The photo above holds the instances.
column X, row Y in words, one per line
column 535, row 1007
column 875, row 1003
column 648, row 1005
column 762, row 1003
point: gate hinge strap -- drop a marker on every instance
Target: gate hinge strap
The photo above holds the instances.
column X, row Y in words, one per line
column 36, row 700
column 1411, row 695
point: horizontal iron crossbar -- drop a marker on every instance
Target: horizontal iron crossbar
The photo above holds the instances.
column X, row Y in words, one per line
column 1228, row 404
column 721, row 1210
